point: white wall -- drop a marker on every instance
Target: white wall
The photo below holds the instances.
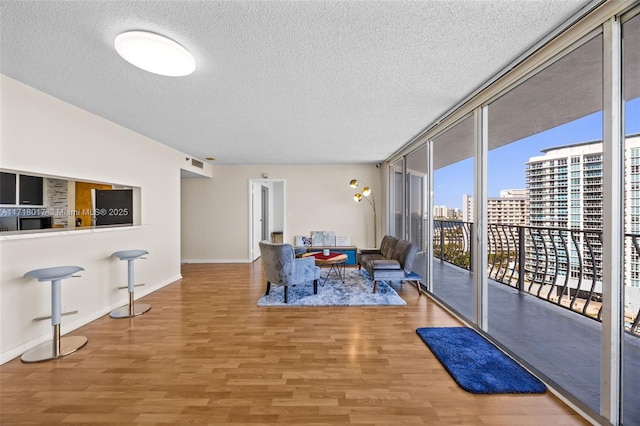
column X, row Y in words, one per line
column 44, row 135
column 215, row 212
column 277, row 200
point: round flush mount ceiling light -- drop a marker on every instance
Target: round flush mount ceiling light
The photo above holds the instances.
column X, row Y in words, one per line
column 155, row 53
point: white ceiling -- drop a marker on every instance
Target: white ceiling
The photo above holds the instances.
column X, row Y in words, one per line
column 282, row 82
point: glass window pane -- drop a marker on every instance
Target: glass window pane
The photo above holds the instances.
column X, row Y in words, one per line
column 453, row 217
column 631, row 299
column 416, row 181
column 416, row 191
column 396, row 198
column 545, row 221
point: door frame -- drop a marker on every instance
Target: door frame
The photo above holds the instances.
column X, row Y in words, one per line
column 253, row 252
column 265, row 212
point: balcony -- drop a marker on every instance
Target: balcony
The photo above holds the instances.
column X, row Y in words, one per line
column 546, row 313
column 594, row 159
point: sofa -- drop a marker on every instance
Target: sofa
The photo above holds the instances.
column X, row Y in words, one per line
column 391, row 262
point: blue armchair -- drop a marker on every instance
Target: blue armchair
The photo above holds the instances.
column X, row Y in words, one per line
column 281, row 267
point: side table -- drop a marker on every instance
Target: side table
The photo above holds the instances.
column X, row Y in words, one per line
column 335, row 261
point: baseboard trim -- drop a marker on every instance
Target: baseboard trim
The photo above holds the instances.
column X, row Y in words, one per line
column 67, row 328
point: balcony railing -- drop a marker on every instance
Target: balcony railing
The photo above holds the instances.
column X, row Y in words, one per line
column 560, row 266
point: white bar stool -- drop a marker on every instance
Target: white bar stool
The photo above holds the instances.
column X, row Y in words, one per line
column 130, row 310
column 59, row 347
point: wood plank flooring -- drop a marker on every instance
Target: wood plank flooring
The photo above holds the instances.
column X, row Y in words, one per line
column 206, row 354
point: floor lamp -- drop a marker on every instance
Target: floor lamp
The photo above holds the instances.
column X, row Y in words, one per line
column 368, row 195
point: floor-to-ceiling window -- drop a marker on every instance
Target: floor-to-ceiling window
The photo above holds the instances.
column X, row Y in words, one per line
column 416, row 184
column 551, row 132
column 416, row 187
column 453, row 216
column 631, row 202
column 544, row 236
column 396, row 198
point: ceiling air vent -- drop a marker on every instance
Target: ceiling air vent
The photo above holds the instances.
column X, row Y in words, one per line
column 197, row 163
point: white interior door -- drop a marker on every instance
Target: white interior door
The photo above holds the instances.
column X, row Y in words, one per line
column 267, row 202
column 256, row 219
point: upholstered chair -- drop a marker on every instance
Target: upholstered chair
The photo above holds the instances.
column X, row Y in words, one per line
column 282, row 267
column 392, row 262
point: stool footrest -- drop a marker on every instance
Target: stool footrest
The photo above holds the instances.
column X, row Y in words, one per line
column 49, row 317
column 125, row 311
column 126, row 286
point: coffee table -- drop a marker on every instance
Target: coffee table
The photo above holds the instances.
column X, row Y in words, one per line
column 334, row 260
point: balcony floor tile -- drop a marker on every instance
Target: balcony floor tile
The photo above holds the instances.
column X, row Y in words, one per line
column 563, row 346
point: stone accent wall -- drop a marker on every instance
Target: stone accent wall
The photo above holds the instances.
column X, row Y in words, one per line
column 57, row 202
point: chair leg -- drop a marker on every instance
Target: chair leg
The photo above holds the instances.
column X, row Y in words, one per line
column 286, row 293
column 268, row 288
column 375, row 286
column 315, row 286
column 418, row 287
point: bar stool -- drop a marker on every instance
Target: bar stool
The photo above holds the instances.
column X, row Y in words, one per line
column 60, row 346
column 130, row 310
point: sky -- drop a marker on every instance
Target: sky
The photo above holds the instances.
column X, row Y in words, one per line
column 506, row 165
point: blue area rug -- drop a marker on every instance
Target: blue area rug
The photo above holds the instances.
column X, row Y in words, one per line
column 357, row 291
column 476, row 364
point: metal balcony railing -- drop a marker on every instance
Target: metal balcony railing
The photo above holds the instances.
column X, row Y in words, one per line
column 561, row 266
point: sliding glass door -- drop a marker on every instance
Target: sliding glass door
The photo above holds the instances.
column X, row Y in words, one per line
column 396, row 198
column 631, row 205
column 416, row 187
column 416, row 193
column 453, row 215
column 557, row 269
column 544, row 231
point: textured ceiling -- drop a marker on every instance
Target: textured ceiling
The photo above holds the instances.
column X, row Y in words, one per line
column 276, row 82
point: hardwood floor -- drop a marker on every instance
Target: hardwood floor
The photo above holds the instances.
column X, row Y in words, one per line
column 206, row 354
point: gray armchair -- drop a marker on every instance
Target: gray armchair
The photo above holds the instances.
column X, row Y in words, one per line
column 283, row 268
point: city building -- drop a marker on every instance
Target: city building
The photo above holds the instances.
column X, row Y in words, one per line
column 467, row 208
column 440, row 212
column 446, row 213
column 509, row 208
column 566, row 192
column 503, row 213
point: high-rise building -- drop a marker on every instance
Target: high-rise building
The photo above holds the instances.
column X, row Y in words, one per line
column 513, row 193
column 632, row 216
column 467, row 208
column 509, row 208
column 566, row 192
column 454, row 214
column 503, row 213
column 439, row 212
column 446, row 213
